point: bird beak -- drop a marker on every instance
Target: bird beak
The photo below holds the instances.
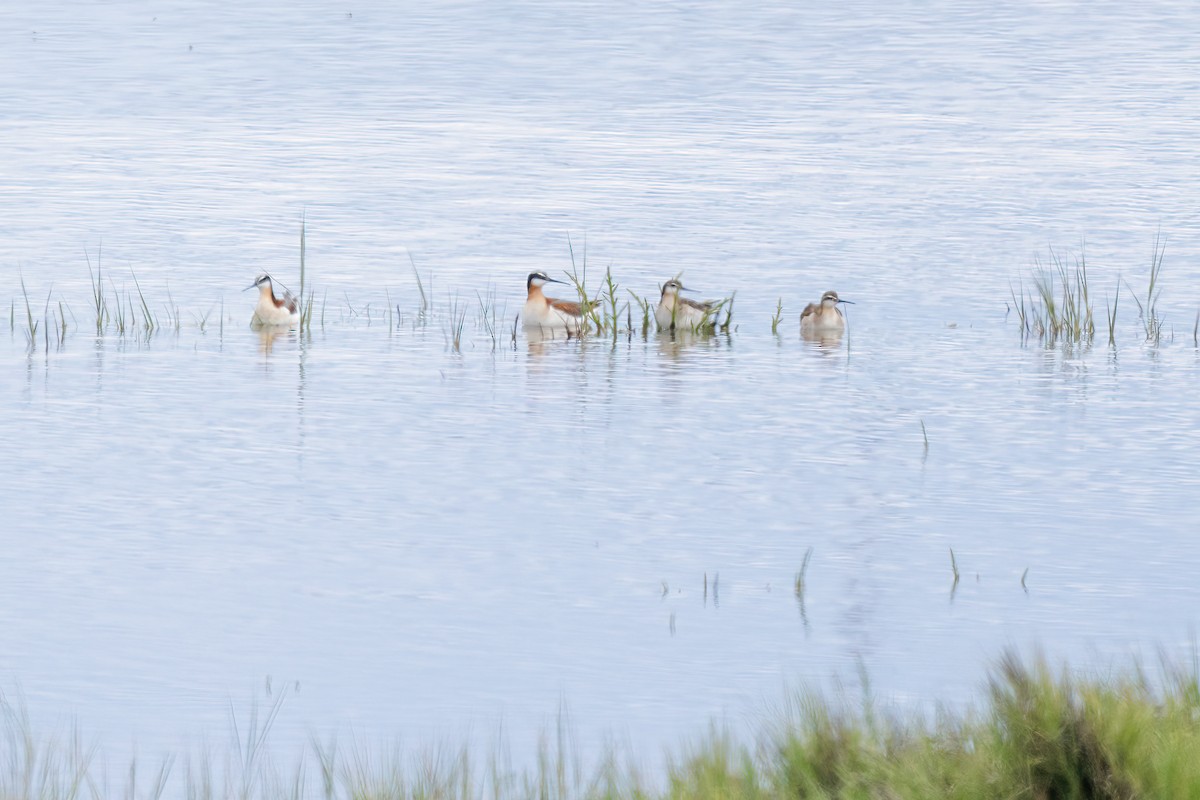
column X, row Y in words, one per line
column 851, row 302
column 554, row 280
column 251, row 286
column 685, row 289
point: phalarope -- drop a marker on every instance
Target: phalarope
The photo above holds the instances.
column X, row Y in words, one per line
column 549, row 313
column 823, row 316
column 680, row 313
column 271, row 310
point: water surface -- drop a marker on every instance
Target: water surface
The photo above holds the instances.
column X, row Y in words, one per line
column 430, row 541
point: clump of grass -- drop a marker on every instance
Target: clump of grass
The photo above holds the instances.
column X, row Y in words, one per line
column 1060, row 310
column 778, row 317
column 173, row 310
column 458, row 319
column 149, row 323
column 612, row 308
column 1023, row 318
column 578, row 279
column 62, row 322
column 97, row 291
column 201, row 320
column 1064, row 312
column 1037, row 732
column 1111, row 315
column 644, row 306
column 420, row 287
column 727, row 304
column 305, row 307
column 31, row 324
column 490, row 314
column 1152, row 321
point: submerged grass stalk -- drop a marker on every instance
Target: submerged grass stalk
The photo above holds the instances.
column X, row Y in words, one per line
column 1111, row 314
column 578, row 278
column 420, row 286
column 148, row 320
column 97, row 290
column 1152, row 322
column 800, row 584
column 31, row 331
column 305, row 314
column 728, row 306
column 644, row 306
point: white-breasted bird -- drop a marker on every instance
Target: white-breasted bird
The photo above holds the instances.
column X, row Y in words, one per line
column 824, row 316
column 680, row 313
column 549, row 313
column 271, row 310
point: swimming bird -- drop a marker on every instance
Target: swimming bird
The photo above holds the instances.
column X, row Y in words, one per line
column 680, row 313
column 270, row 309
column 823, row 316
column 549, row 313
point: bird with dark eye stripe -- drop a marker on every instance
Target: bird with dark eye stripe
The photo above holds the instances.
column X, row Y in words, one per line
column 681, row 313
column 271, row 310
column 549, row 314
column 824, row 316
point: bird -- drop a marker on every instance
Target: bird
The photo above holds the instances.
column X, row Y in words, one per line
column 550, row 314
column 823, row 316
column 272, row 311
column 680, row 313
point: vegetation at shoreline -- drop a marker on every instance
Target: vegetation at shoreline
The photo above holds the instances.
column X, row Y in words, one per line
column 1059, row 309
column 130, row 314
column 1038, row 733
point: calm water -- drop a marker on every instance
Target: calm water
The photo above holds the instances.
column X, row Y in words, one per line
column 431, row 542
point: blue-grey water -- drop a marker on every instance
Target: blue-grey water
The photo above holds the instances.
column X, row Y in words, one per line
column 422, row 542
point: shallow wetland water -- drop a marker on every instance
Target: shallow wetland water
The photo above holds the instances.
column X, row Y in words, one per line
column 423, row 542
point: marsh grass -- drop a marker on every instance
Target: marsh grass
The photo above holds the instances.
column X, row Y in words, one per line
column 1062, row 310
column 305, row 307
column 490, row 314
column 778, row 317
column 1152, row 321
column 307, row 291
column 1059, row 310
column 172, row 311
column 97, row 290
column 123, row 313
column 420, row 285
column 1036, row 732
column 457, row 321
column 577, row 276
column 800, row 576
column 613, row 309
column 1111, row 316
column 31, row 323
column 726, row 304
column 149, row 323
column 647, row 313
